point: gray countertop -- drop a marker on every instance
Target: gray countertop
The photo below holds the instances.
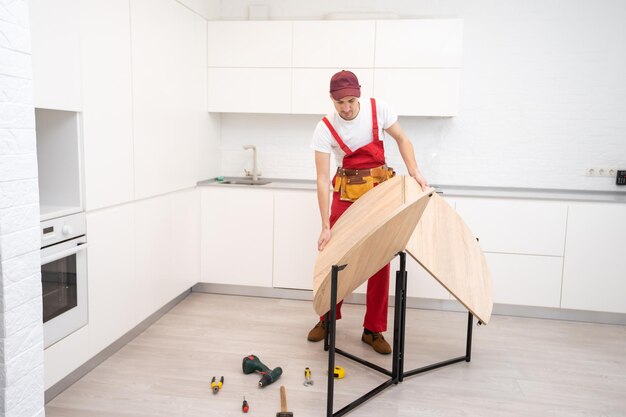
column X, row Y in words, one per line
column 451, row 190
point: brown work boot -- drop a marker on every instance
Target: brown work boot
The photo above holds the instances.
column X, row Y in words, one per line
column 377, row 341
column 317, row 333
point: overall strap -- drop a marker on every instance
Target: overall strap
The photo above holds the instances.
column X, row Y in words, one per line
column 336, row 136
column 374, row 120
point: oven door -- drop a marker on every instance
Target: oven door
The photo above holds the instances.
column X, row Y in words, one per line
column 64, row 289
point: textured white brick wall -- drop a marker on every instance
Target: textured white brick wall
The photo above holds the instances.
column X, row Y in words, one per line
column 543, row 96
column 21, row 331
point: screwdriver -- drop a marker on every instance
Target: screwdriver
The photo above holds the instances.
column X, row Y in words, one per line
column 244, row 406
column 216, row 386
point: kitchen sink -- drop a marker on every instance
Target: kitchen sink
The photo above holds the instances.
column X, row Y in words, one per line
column 245, row 181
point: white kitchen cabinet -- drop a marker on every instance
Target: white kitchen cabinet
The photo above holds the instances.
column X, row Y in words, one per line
column 249, row 90
column 516, row 226
column 112, row 283
column 166, row 256
column 249, row 44
column 296, row 229
column 65, row 356
column 526, row 279
column 310, row 93
column 412, row 64
column 184, row 242
column 236, row 236
column 169, row 95
column 419, row 43
column 419, row 91
column 55, row 47
column 594, row 274
column 107, row 103
column 332, row 44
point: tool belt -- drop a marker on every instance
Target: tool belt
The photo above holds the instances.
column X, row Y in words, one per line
column 353, row 183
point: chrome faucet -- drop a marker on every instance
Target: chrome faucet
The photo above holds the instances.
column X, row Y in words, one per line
column 255, row 173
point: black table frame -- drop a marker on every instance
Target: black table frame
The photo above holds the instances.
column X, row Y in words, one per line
column 397, row 373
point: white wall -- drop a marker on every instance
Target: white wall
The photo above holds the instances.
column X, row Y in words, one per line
column 21, row 329
column 543, row 96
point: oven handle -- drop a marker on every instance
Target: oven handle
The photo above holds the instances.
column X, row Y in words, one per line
column 68, row 252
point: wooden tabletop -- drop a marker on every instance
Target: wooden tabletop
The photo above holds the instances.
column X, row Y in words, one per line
column 395, row 216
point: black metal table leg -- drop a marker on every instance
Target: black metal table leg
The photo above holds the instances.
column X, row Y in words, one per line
column 468, row 345
column 397, row 373
column 331, row 328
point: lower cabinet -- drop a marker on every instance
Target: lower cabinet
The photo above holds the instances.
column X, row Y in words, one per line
column 236, row 236
column 540, row 253
column 594, row 274
column 297, row 227
column 111, row 274
column 526, row 279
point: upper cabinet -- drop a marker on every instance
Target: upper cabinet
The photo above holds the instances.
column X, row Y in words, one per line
column 249, row 66
column 309, row 93
column 247, row 90
column 412, row 64
column 263, row 44
column 169, row 92
column 55, row 42
column 334, row 44
column 107, row 103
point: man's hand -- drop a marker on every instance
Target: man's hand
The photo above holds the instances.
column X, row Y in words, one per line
column 420, row 180
column 324, row 238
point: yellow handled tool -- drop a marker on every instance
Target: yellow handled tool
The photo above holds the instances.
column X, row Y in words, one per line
column 216, row 386
column 307, row 377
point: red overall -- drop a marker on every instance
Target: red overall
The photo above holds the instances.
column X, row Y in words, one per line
column 369, row 156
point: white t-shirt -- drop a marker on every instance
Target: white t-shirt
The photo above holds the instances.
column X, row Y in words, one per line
column 354, row 133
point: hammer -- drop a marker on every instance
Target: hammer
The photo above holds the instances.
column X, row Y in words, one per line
column 283, row 404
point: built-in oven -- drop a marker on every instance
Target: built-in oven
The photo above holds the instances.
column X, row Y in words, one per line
column 63, row 276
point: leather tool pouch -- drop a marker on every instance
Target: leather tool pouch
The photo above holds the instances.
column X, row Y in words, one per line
column 351, row 187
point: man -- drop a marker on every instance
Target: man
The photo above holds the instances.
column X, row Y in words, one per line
column 354, row 133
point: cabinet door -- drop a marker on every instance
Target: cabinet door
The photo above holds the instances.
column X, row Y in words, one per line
column 311, row 88
column 526, row 279
column 594, row 276
column 296, row 230
column 331, row 44
column 55, row 42
column 153, row 263
column 516, row 226
column 249, row 90
column 423, row 43
column 111, row 274
column 419, row 92
column 236, row 236
column 249, row 44
column 169, row 78
column 167, row 240
column 107, row 103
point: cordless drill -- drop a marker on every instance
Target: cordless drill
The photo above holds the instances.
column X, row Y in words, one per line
column 252, row 363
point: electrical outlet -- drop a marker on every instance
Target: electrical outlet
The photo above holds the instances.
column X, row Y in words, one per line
column 620, row 177
column 601, row 172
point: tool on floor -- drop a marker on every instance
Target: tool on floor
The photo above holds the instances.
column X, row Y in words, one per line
column 252, row 363
column 216, row 386
column 283, row 404
column 339, row 372
column 244, row 406
column 307, row 377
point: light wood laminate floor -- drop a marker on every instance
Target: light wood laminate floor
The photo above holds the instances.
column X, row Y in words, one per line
column 519, row 367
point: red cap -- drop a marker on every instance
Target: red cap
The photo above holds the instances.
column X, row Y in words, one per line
column 343, row 84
